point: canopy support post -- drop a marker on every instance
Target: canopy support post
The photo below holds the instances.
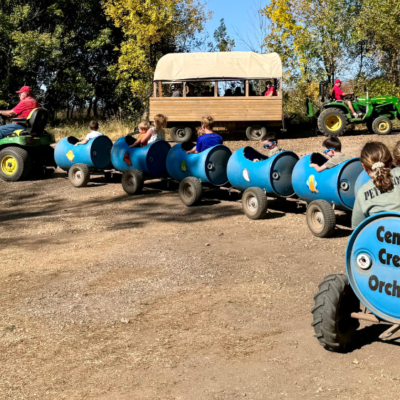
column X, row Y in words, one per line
column 216, row 89
column 184, row 89
column 247, row 89
column 154, row 89
column 160, row 89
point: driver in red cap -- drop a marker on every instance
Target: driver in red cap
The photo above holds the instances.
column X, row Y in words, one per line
column 337, row 94
column 22, row 110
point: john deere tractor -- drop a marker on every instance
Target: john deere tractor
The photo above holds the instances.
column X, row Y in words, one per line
column 27, row 153
column 376, row 112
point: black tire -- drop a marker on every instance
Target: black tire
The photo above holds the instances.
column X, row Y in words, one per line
column 190, row 191
column 15, row 164
column 332, row 122
column 321, row 218
column 132, row 181
column 382, row 126
column 333, row 304
column 79, row 175
column 254, row 203
column 181, row 134
column 256, row 132
column 369, row 126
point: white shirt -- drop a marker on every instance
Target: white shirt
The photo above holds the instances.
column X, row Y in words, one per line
column 92, row 135
column 157, row 135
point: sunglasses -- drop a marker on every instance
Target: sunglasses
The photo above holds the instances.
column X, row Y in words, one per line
column 269, row 145
column 328, row 150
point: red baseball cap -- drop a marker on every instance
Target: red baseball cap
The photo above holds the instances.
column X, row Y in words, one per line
column 25, row 89
column 338, row 81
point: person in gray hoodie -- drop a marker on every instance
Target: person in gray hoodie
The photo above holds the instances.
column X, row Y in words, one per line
column 382, row 192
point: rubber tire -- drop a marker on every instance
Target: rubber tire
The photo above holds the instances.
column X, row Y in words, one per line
column 377, row 121
column 132, row 182
column 261, row 203
column 85, row 175
column 24, row 163
column 333, row 304
column 196, row 191
column 329, row 218
column 327, row 113
column 179, row 139
column 252, row 137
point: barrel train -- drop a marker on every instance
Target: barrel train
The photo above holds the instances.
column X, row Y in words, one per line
column 282, row 175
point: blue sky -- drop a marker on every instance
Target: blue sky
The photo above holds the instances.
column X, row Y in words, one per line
column 236, row 14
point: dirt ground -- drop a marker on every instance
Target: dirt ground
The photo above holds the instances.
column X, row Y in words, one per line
column 105, row 296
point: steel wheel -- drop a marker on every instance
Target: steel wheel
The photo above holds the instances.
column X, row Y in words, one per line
column 9, row 165
column 333, row 123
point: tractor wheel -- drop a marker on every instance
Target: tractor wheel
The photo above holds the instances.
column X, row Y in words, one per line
column 254, row 203
column 382, row 126
column 256, row 132
column 190, row 191
column 181, row 134
column 321, row 219
column 332, row 122
column 369, row 126
column 132, row 181
column 79, row 175
column 15, row 164
column 334, row 302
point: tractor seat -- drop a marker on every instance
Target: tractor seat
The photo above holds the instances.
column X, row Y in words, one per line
column 35, row 123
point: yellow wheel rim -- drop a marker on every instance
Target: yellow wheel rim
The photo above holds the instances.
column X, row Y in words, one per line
column 333, row 123
column 383, row 126
column 9, row 165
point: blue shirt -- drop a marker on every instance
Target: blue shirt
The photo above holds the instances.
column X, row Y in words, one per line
column 208, row 140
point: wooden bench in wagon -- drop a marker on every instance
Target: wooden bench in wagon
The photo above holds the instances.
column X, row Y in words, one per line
column 244, row 111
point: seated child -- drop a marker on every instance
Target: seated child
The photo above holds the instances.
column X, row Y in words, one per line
column 333, row 148
column 143, row 127
column 270, row 143
column 93, row 126
column 208, row 139
column 154, row 134
column 382, row 193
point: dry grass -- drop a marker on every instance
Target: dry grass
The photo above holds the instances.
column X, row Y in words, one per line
column 113, row 128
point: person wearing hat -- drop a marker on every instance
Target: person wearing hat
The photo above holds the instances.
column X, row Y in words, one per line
column 22, row 110
column 338, row 94
column 175, row 91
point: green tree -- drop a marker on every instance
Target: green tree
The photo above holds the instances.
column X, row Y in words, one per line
column 222, row 41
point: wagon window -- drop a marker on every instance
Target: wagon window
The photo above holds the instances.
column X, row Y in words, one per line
column 232, row 88
column 258, row 87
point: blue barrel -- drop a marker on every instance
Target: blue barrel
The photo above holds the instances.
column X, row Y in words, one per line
column 272, row 174
column 335, row 185
column 209, row 166
column 95, row 153
column 150, row 159
column 362, row 179
column 373, row 264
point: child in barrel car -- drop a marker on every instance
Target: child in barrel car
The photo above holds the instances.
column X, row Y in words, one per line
column 333, row 150
column 153, row 134
column 270, row 143
column 208, row 138
column 93, row 126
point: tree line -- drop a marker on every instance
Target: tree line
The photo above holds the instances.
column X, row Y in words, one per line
column 101, row 55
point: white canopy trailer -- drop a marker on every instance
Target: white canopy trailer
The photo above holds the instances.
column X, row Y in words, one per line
column 254, row 113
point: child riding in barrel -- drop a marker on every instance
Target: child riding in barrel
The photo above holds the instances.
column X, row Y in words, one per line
column 208, row 139
column 382, row 192
column 333, row 150
column 153, row 134
column 270, row 143
column 93, row 126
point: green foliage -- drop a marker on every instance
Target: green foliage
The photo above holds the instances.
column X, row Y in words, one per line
column 222, row 41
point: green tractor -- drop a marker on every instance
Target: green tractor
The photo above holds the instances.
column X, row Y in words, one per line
column 28, row 153
column 376, row 112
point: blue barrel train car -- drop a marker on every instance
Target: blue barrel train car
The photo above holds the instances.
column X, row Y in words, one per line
column 193, row 170
column 139, row 163
column 258, row 175
column 80, row 160
column 373, row 277
column 326, row 190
